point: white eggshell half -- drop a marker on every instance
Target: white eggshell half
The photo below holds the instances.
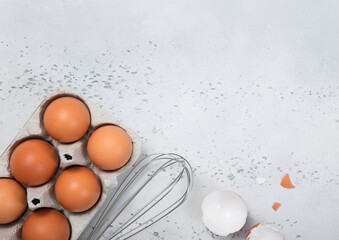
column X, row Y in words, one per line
column 264, row 232
column 223, row 212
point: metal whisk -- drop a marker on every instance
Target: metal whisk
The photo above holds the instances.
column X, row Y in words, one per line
column 153, row 188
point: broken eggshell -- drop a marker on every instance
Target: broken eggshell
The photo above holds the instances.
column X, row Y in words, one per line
column 264, row 232
column 223, row 212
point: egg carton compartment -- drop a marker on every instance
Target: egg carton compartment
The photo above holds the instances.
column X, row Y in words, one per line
column 69, row 155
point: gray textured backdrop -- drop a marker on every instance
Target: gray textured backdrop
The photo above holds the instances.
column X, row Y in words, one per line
column 243, row 89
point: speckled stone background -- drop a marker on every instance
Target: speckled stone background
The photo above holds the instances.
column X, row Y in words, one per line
column 243, row 89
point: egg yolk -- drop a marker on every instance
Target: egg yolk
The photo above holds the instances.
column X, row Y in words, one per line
column 66, row 119
column 34, row 162
column 13, row 200
column 109, row 147
column 77, row 189
column 46, row 224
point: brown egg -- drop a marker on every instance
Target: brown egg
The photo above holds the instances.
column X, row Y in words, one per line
column 109, row 147
column 13, row 200
column 77, row 189
column 66, row 119
column 46, row 224
column 34, row 162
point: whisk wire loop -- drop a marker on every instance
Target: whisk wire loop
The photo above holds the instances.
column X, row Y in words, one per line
column 141, row 175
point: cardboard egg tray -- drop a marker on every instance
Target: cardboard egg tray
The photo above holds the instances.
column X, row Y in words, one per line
column 69, row 154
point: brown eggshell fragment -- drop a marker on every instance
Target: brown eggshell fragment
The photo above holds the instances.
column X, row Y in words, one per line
column 275, row 206
column 286, row 182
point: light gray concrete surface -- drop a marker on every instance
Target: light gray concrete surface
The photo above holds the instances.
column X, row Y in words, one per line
column 243, row 89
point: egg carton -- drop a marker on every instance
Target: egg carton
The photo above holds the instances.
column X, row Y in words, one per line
column 69, row 154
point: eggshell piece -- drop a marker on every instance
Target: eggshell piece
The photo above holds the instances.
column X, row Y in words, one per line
column 13, row 200
column 264, row 232
column 286, row 182
column 34, row 162
column 109, row 147
column 46, row 224
column 260, row 180
column 224, row 212
column 275, row 206
column 77, row 189
column 66, row 119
